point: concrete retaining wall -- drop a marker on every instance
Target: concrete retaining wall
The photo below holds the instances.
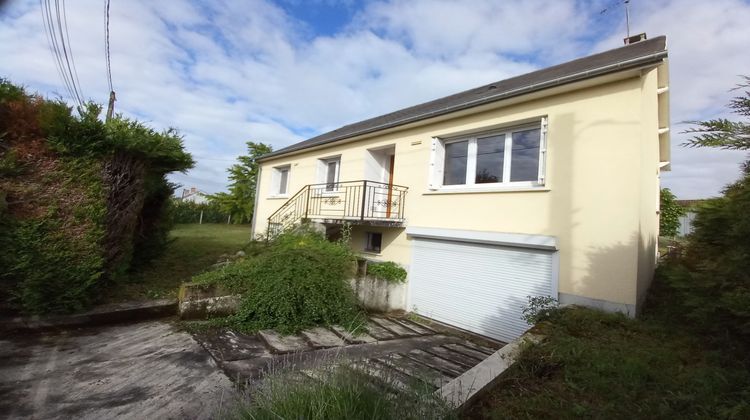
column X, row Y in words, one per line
column 379, row 295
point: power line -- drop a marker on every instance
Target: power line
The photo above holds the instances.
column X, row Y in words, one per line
column 68, row 57
column 72, row 60
column 60, row 47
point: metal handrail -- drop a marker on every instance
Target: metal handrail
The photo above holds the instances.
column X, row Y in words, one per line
column 361, row 200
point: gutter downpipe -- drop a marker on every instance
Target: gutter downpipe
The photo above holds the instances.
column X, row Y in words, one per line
column 255, row 205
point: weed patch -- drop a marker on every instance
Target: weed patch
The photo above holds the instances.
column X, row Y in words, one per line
column 601, row 365
column 343, row 393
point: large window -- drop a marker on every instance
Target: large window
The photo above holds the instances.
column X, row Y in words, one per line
column 512, row 157
column 281, row 180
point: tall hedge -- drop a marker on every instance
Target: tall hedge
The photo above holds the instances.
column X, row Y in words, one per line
column 82, row 201
column 189, row 212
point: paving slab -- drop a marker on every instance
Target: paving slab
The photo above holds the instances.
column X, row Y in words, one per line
column 464, row 349
column 320, row 338
column 454, row 356
column 228, row 345
column 350, row 338
column 419, row 329
column 415, row 370
column 379, row 332
column 148, row 370
column 280, row 344
column 394, row 327
column 449, row 368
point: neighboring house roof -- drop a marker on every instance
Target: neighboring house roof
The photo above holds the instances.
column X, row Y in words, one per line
column 635, row 55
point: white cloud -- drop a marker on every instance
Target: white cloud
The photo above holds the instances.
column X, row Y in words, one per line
column 229, row 71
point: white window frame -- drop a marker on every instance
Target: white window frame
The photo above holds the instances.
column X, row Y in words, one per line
column 437, row 160
column 323, row 172
column 276, row 176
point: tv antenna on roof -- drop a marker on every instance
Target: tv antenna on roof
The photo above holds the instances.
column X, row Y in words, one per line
column 627, row 17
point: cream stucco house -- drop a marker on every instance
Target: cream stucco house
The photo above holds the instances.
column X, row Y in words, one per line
column 542, row 184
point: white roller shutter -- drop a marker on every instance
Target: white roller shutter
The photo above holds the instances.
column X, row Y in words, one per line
column 478, row 287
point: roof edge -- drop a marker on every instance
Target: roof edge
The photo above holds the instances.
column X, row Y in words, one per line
column 642, row 61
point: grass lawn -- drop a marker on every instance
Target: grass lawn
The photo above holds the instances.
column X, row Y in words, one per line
column 598, row 365
column 194, row 248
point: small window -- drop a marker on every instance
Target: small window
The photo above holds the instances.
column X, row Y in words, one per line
column 374, row 242
column 329, row 173
column 281, row 180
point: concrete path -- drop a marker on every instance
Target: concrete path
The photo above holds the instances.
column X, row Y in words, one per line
column 393, row 347
column 147, row 370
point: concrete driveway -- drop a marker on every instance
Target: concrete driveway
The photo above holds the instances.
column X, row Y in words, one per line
column 152, row 370
column 148, row 370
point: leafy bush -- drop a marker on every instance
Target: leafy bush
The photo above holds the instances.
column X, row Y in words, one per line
column 669, row 213
column 344, row 393
column 388, row 271
column 299, row 281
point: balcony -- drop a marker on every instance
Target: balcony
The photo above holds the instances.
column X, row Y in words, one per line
column 355, row 202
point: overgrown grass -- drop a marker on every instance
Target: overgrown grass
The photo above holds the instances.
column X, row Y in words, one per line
column 192, row 250
column 600, row 365
column 342, row 393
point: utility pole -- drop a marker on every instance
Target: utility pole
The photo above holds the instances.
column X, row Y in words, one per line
column 111, row 106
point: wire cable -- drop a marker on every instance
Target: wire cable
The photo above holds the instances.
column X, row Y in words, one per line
column 72, row 58
column 67, row 57
column 60, row 49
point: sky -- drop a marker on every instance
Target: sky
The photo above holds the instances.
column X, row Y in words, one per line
column 225, row 72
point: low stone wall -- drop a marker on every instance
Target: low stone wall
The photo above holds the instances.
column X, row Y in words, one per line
column 200, row 301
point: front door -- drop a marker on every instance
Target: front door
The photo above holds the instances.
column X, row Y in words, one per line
column 391, row 161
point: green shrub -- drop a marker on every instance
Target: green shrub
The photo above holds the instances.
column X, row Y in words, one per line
column 388, row 271
column 712, row 282
column 669, row 213
column 344, row 393
column 299, row 281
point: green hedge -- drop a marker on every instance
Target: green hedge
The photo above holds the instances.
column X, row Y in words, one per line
column 189, row 212
column 82, row 201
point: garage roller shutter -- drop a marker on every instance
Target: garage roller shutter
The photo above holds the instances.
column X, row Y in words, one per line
column 478, row 287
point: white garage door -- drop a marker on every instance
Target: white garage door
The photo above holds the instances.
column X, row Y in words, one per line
column 478, row 287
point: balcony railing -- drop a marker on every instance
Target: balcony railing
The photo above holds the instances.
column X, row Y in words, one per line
column 356, row 202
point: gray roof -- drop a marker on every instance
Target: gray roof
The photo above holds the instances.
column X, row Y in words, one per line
column 651, row 51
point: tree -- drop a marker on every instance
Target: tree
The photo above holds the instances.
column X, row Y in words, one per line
column 721, row 132
column 715, row 290
column 669, row 214
column 239, row 202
